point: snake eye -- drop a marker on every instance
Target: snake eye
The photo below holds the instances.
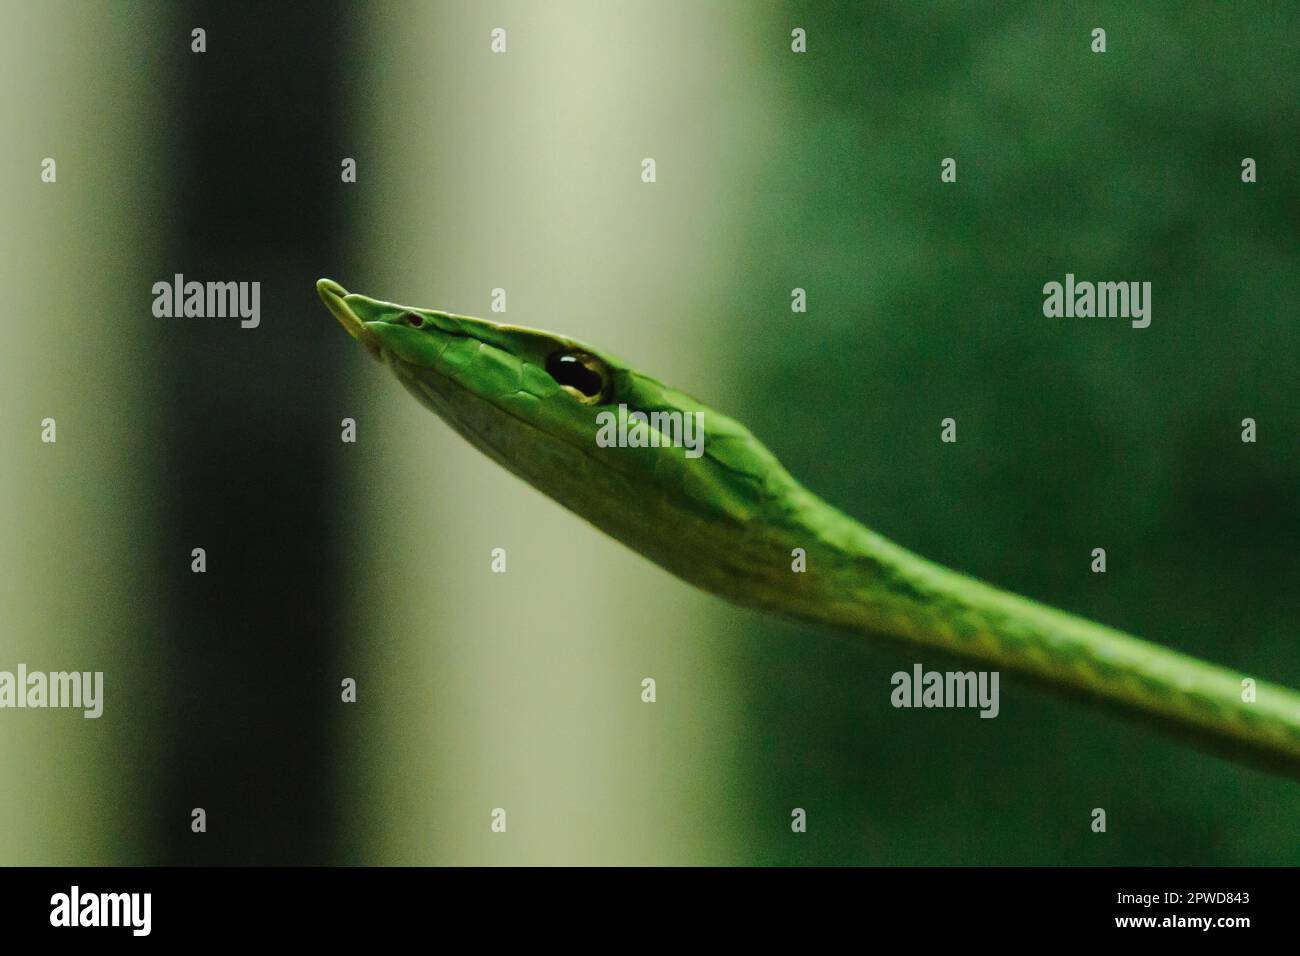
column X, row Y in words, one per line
column 413, row 320
column 583, row 376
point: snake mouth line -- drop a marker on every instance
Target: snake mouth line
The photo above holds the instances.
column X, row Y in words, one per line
column 332, row 294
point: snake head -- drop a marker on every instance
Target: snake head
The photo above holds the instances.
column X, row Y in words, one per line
column 546, row 407
column 470, row 369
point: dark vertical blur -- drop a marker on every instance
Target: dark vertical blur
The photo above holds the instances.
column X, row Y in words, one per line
column 250, row 440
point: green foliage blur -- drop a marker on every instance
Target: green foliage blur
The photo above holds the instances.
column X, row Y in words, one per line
column 925, row 301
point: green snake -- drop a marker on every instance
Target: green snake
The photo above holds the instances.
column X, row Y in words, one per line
column 731, row 520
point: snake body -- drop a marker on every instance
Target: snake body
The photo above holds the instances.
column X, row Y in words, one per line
column 732, row 520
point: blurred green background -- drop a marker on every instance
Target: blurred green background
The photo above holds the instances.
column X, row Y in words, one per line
column 522, row 171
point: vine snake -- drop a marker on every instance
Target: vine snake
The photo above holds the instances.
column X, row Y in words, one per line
column 731, row 519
